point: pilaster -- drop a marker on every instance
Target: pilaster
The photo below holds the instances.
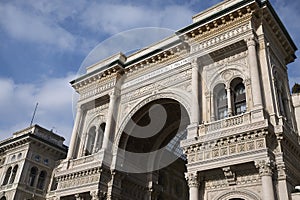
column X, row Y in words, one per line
column 265, row 168
column 74, row 133
column 195, row 92
column 114, row 186
column 109, row 122
column 254, row 72
column 193, row 183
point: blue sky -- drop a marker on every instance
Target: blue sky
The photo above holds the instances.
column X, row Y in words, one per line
column 43, row 44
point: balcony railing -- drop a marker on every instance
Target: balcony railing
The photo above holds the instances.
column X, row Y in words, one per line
column 229, row 122
column 86, row 159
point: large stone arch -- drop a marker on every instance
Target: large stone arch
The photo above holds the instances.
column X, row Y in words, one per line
column 145, row 158
column 176, row 94
column 243, row 194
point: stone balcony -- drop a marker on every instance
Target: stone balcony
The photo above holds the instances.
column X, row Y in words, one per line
column 224, row 124
column 240, row 138
column 229, row 127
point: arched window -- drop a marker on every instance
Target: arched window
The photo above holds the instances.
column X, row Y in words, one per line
column 41, row 180
column 238, row 96
column 32, row 176
column 221, row 106
column 100, row 136
column 7, row 175
column 90, row 141
column 3, row 198
column 13, row 175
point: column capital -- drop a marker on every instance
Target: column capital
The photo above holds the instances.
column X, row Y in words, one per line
column 192, row 179
column 94, row 194
column 112, row 94
column 265, row 167
column 251, row 41
column 194, row 60
column 78, row 197
column 281, row 169
column 247, row 81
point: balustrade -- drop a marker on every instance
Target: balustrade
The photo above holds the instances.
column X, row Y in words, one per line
column 225, row 123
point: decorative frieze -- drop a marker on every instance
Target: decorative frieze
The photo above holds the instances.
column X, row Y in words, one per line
column 167, row 56
column 79, row 181
column 227, row 146
column 96, row 89
column 239, row 180
column 156, row 73
column 98, row 110
column 79, row 178
column 221, row 38
column 165, row 83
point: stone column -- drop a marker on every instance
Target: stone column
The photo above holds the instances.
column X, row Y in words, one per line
column 247, row 84
column 283, row 191
column 74, row 133
column 109, row 120
column 193, row 183
column 229, row 101
column 212, row 107
column 195, row 93
column 254, row 72
column 96, row 140
column 115, row 186
column 192, row 130
column 265, row 171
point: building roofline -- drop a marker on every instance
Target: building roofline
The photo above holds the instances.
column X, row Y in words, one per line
column 176, row 38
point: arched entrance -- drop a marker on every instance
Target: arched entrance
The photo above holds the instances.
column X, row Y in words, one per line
column 150, row 152
column 238, row 195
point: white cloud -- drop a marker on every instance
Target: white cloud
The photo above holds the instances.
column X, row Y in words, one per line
column 99, row 17
column 34, row 28
column 17, row 103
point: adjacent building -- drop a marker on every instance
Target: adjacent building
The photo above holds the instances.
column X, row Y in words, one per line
column 27, row 160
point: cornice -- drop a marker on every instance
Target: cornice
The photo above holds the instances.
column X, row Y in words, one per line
column 98, row 75
column 164, row 56
column 221, row 17
column 206, row 32
column 283, row 39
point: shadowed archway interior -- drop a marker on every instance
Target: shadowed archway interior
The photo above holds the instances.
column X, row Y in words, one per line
column 164, row 181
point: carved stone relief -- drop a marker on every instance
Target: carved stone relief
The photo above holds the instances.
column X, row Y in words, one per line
column 225, row 147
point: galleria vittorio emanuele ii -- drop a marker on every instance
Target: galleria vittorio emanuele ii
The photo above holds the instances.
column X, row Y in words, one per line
column 204, row 114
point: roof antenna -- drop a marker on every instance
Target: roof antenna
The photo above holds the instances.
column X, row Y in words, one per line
column 34, row 113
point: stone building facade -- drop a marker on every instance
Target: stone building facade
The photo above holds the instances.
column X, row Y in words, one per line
column 203, row 114
column 222, row 82
column 26, row 163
